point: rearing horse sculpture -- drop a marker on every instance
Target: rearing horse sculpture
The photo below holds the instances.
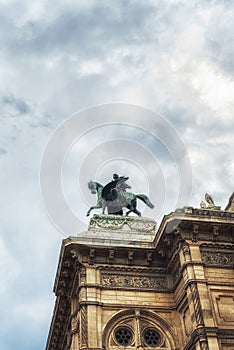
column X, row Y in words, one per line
column 122, row 199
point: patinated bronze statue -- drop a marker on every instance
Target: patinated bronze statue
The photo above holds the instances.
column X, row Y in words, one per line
column 114, row 197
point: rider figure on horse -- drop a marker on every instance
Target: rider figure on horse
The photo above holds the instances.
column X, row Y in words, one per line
column 114, row 196
column 109, row 192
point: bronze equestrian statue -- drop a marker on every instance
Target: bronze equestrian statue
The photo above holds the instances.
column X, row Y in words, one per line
column 114, row 197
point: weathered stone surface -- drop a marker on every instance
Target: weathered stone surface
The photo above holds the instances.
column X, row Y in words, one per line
column 230, row 206
column 115, row 230
column 125, row 276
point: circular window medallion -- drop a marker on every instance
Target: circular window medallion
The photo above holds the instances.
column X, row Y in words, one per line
column 123, row 336
column 151, row 337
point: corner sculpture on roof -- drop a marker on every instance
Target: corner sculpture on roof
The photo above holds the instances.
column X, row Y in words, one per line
column 210, row 202
column 114, row 197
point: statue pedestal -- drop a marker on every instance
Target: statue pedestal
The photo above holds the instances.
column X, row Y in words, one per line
column 116, row 230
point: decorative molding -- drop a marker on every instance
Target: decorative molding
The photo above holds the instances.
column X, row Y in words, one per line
column 217, row 245
column 117, row 222
column 197, row 304
column 149, row 257
column 82, row 274
column 217, row 258
column 176, row 274
column 92, row 348
column 195, row 232
column 225, row 304
column 129, row 281
column 133, row 269
column 83, row 326
column 92, row 253
column 186, row 251
column 200, row 333
column 215, row 232
column 75, row 323
column 146, row 319
column 130, row 256
column 205, row 212
column 60, row 323
column 111, row 254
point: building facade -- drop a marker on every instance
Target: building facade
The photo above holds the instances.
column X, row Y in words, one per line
column 126, row 284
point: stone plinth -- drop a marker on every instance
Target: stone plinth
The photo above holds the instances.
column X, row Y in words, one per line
column 119, row 230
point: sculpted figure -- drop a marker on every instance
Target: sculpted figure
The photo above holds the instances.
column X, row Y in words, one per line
column 209, row 200
column 114, row 197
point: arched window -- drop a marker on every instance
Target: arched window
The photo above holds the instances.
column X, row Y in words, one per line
column 138, row 328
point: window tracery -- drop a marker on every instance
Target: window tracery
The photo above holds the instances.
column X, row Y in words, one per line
column 133, row 329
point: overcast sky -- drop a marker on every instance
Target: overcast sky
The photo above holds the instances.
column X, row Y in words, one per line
column 57, row 58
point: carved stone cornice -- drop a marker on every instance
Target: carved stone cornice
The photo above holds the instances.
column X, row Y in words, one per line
column 99, row 255
column 217, row 245
column 205, row 212
column 132, row 269
column 59, row 324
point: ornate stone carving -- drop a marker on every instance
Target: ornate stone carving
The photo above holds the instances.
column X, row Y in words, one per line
column 186, row 251
column 230, row 206
column 197, row 304
column 221, row 259
column 176, row 275
column 130, row 256
column 75, row 324
column 200, row 333
column 129, row 281
column 117, row 222
column 210, row 201
column 195, row 233
column 149, row 257
column 92, row 252
column 82, row 275
column 215, row 232
column 83, row 326
column 205, row 212
column 111, row 254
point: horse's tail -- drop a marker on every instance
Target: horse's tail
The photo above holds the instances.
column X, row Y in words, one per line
column 145, row 199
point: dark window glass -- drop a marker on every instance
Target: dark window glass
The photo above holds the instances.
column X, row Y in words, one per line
column 123, row 336
column 152, row 337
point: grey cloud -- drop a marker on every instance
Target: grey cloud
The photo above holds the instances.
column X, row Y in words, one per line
column 14, row 108
column 21, row 106
column 101, row 29
column 219, row 33
column 74, row 31
column 2, row 151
